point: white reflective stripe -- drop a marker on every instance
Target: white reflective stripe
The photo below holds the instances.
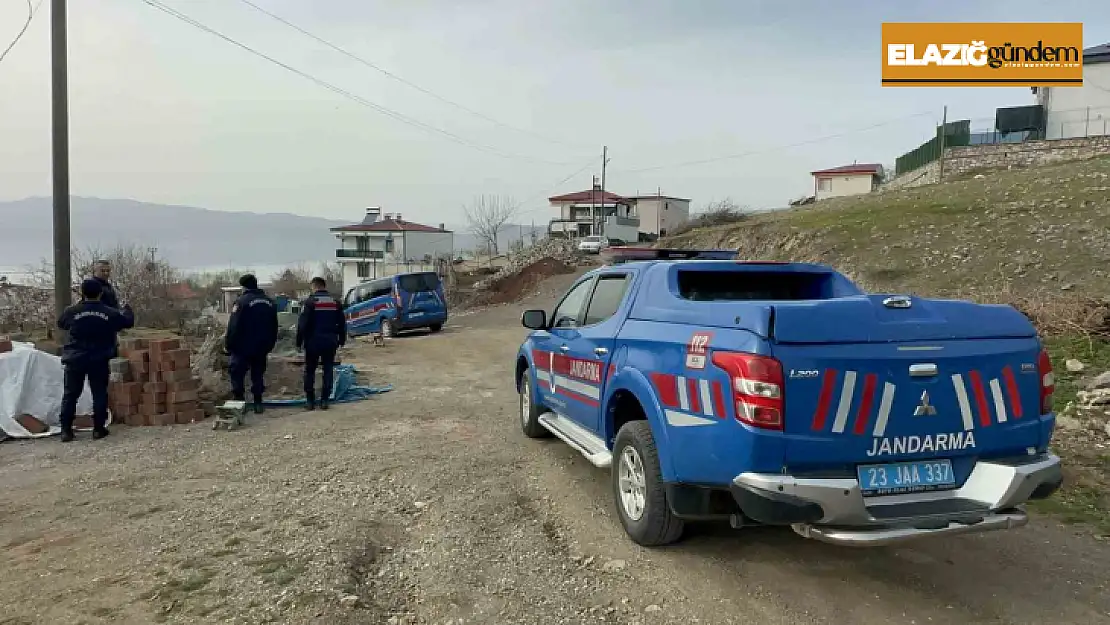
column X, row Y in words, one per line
column 578, row 387
column 846, row 393
column 999, row 403
column 683, row 420
column 961, row 397
column 884, row 409
column 706, row 398
column 543, row 376
column 551, row 369
column 683, row 397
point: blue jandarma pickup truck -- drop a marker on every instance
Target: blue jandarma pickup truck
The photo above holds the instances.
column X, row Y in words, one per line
column 782, row 394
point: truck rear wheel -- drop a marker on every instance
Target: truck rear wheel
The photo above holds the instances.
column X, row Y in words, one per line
column 638, row 488
column 529, row 411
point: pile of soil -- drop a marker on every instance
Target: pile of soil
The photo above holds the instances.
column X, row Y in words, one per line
column 515, row 287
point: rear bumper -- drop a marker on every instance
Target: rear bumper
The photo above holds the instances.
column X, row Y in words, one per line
column 834, row 510
column 423, row 321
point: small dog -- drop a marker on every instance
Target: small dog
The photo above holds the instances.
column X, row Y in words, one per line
column 377, row 339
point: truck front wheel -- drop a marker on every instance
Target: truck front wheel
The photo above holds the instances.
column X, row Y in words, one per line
column 638, row 488
column 530, row 411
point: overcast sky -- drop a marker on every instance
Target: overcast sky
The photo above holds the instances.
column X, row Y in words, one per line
column 164, row 112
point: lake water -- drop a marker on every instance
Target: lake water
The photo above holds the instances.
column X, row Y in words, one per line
column 264, row 272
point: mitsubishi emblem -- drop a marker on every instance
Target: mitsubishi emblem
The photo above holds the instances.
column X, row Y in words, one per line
column 924, row 409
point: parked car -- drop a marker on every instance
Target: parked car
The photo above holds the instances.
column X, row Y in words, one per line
column 390, row 305
column 593, row 244
column 769, row 393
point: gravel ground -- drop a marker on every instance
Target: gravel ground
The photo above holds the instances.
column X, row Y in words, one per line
column 427, row 505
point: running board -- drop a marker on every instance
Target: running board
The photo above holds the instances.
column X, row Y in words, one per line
column 579, row 438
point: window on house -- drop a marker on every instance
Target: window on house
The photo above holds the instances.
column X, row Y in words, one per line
column 389, row 245
column 824, row 184
column 362, row 244
column 363, row 270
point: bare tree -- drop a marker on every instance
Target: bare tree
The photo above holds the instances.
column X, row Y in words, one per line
column 486, row 217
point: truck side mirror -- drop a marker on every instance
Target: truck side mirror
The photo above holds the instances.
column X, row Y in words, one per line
column 534, row 319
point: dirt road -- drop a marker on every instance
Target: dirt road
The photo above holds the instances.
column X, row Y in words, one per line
column 427, row 505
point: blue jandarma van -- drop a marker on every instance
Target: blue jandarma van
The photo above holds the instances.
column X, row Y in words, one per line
column 406, row 301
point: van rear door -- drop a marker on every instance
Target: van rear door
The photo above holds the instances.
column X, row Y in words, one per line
column 420, row 295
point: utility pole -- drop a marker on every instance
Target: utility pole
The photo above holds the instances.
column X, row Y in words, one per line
column 604, row 163
column 59, row 77
column 943, row 139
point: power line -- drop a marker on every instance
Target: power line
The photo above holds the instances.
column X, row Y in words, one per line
column 774, row 149
column 400, row 79
column 31, row 11
column 340, row 91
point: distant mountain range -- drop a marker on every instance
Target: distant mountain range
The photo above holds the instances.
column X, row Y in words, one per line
column 186, row 236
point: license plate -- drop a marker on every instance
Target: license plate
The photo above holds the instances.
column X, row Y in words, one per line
column 416, row 314
column 905, row 477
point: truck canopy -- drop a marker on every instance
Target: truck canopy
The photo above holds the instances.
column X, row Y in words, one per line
column 803, row 303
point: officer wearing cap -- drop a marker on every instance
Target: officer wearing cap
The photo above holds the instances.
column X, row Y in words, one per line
column 91, row 327
column 321, row 331
column 252, row 333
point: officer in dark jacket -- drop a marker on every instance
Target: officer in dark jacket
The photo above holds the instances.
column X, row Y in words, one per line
column 91, row 328
column 102, row 272
column 321, row 331
column 251, row 335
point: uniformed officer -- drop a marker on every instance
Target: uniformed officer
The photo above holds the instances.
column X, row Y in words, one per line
column 91, row 328
column 321, row 331
column 251, row 335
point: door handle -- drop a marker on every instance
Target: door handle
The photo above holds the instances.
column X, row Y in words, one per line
column 600, row 351
column 564, row 348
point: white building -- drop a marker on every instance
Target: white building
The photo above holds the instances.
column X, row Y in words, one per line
column 382, row 246
column 614, row 216
column 855, row 179
column 660, row 213
column 1080, row 111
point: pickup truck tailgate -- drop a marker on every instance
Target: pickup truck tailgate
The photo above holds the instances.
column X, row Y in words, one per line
column 852, row 403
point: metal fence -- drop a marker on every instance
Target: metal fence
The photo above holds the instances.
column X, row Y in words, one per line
column 1088, row 121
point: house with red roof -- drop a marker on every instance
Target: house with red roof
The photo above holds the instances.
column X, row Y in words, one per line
column 854, row 179
column 595, row 212
column 384, row 245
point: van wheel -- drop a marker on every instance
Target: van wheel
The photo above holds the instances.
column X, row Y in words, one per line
column 435, row 327
column 529, row 412
column 387, row 328
column 638, row 488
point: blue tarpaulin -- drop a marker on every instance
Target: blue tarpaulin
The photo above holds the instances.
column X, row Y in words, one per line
column 344, row 390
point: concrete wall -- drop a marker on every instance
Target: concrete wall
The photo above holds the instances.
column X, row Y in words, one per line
column 661, row 213
column 851, row 184
column 1079, row 111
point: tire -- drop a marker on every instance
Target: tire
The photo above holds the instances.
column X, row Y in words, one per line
column 388, row 331
column 656, row 525
column 435, row 327
column 528, row 412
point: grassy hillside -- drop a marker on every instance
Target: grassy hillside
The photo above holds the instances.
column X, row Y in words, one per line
column 1036, row 238
column 1023, row 231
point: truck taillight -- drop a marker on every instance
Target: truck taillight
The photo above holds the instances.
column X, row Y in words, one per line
column 1048, row 381
column 757, row 388
column 396, row 297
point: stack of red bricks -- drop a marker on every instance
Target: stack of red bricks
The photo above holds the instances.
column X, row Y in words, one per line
column 152, row 384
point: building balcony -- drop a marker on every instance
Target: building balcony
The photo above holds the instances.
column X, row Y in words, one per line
column 359, row 255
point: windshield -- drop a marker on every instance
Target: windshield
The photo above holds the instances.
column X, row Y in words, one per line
column 418, row 282
column 593, row 239
column 708, row 286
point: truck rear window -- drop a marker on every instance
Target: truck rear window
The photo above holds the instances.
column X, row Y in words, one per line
column 418, row 282
column 716, row 286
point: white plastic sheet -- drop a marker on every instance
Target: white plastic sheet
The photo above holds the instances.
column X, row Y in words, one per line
column 31, row 384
